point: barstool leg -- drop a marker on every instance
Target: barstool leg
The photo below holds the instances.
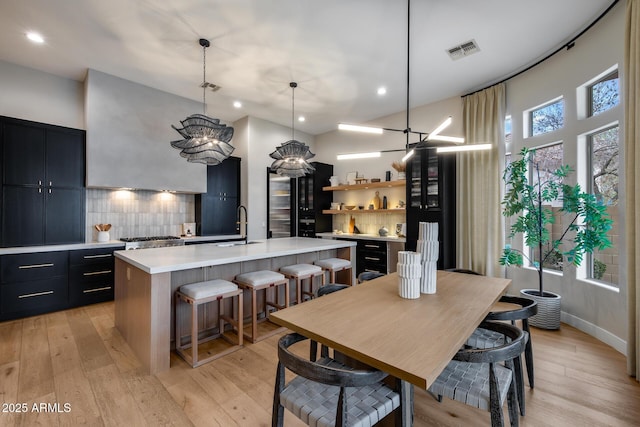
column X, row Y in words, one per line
column 194, row 335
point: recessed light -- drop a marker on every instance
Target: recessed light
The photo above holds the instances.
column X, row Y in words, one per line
column 35, row 37
column 301, row 119
column 237, row 104
column 382, row 90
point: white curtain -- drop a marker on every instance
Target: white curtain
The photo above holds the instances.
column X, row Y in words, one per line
column 480, row 224
column 632, row 175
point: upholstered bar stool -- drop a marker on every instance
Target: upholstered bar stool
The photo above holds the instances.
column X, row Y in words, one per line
column 200, row 293
column 333, row 265
column 300, row 272
column 263, row 280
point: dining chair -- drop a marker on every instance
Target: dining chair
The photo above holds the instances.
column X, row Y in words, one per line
column 313, row 345
column 369, row 275
column 528, row 308
column 328, row 393
column 476, row 377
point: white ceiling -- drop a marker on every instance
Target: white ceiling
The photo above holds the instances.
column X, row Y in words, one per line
column 339, row 51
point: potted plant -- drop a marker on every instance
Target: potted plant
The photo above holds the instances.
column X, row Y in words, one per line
column 529, row 201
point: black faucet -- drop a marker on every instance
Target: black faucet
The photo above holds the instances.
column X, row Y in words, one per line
column 246, row 220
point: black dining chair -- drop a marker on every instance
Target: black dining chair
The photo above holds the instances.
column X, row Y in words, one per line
column 528, row 308
column 476, row 376
column 369, row 275
column 328, row 393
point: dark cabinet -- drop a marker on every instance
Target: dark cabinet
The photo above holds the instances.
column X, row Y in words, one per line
column 371, row 255
column 216, row 209
column 431, row 198
column 43, row 173
column 91, row 277
column 312, row 200
column 33, row 283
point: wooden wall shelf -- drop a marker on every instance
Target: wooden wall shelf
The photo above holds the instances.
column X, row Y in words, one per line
column 363, row 211
column 381, row 184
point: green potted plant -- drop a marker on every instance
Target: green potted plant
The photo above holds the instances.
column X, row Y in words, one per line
column 529, row 201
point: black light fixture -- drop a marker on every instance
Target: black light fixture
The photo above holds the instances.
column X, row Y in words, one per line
column 206, row 140
column 291, row 157
column 432, row 139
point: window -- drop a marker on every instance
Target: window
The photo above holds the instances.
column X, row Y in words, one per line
column 604, row 94
column 603, row 152
column 547, row 118
column 549, row 159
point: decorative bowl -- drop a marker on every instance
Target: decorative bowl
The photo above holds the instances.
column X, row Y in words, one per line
column 350, row 207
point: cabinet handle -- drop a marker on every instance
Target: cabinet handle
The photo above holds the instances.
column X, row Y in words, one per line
column 372, row 246
column 50, row 183
column 49, row 190
column 94, row 273
column 37, row 294
column 97, row 256
column 368, row 258
column 88, row 291
column 39, row 182
column 25, row 267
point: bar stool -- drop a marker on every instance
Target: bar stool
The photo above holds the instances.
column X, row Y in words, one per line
column 263, row 280
column 300, row 272
column 333, row 265
column 200, row 293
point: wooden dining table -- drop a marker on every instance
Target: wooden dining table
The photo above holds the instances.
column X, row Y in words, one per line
column 411, row 339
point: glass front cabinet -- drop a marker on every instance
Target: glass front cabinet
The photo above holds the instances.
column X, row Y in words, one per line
column 431, row 198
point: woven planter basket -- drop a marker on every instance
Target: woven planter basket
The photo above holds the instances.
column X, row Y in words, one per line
column 548, row 316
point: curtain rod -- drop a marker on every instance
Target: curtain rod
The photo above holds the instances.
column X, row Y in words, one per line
column 567, row 45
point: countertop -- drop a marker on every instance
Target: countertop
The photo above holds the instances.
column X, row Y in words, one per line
column 117, row 244
column 389, row 238
column 176, row 258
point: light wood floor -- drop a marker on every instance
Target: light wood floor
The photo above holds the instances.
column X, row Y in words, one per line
column 77, row 358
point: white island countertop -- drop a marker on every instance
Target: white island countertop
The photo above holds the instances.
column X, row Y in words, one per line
column 176, row 258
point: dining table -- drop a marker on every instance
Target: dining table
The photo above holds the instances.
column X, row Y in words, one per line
column 411, row 339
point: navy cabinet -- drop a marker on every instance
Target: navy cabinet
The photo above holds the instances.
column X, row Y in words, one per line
column 312, row 201
column 43, row 176
column 215, row 210
column 91, row 277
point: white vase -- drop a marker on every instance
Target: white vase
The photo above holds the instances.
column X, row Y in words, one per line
column 409, row 288
column 103, row 236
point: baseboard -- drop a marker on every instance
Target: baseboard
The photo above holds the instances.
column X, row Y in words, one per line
column 595, row 331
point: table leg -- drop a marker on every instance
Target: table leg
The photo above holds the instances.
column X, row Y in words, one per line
column 404, row 417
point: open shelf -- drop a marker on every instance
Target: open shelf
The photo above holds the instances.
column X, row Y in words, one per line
column 381, row 184
column 363, row 211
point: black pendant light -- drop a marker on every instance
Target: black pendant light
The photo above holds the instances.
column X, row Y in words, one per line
column 291, row 157
column 206, row 140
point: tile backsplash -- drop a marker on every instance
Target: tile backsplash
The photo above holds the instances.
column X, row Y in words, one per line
column 138, row 213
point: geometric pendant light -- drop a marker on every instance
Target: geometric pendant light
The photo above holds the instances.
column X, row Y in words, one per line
column 206, row 140
column 291, row 157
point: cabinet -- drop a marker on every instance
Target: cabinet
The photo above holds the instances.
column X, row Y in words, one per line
column 371, row 255
column 43, row 173
column 91, row 277
column 312, row 201
column 33, row 283
column 215, row 210
column 431, row 198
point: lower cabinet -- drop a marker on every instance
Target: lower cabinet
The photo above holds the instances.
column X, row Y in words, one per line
column 91, row 277
column 377, row 255
column 36, row 283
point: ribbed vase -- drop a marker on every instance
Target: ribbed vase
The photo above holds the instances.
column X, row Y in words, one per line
column 548, row 316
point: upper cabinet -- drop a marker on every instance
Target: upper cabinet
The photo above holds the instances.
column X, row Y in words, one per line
column 431, row 198
column 43, row 169
column 216, row 210
column 312, row 201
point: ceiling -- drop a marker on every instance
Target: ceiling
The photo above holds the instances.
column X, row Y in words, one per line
column 339, row 51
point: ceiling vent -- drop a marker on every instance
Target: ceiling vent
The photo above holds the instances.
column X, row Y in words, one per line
column 213, row 87
column 464, row 49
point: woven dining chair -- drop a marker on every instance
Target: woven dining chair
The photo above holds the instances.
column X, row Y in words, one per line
column 476, row 377
column 328, row 393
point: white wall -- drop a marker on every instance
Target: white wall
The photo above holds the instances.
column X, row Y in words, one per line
column 41, row 97
column 592, row 308
column 258, row 139
column 128, row 135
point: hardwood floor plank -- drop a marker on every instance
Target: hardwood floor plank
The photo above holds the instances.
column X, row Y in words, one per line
column 93, row 353
column 9, row 391
column 10, row 341
column 36, row 372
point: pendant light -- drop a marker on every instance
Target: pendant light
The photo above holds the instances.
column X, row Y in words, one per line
column 291, row 157
column 206, row 140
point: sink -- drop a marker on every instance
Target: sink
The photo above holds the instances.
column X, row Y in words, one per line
column 229, row 244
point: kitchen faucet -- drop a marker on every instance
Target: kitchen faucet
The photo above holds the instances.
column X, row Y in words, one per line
column 246, row 221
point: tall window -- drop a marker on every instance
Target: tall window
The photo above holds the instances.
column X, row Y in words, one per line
column 604, row 168
column 604, row 94
column 547, row 118
column 549, row 159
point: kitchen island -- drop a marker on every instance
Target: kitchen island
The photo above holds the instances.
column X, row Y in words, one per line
column 146, row 279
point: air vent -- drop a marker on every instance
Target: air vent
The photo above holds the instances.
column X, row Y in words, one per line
column 213, row 87
column 464, row 49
